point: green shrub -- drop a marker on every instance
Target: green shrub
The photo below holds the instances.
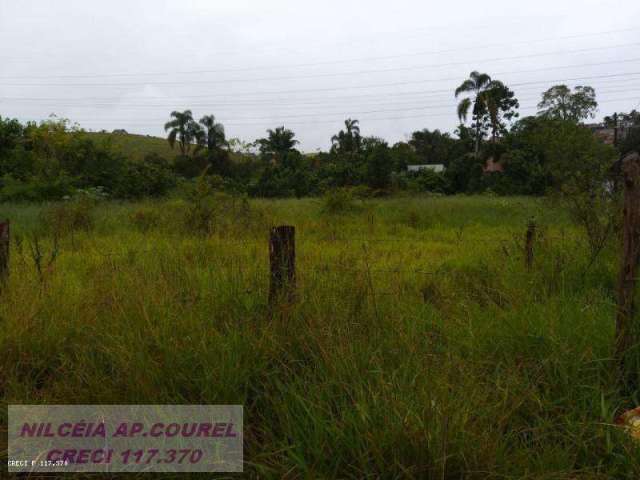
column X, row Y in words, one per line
column 70, row 216
column 208, row 210
column 338, row 201
column 35, row 189
column 427, row 181
column 361, row 192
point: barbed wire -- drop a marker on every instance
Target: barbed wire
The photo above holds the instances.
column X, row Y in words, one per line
column 305, row 267
column 541, row 236
column 515, row 237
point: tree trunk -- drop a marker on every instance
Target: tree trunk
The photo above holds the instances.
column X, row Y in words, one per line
column 627, row 332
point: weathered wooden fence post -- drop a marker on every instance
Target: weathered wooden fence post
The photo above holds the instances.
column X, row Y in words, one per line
column 528, row 244
column 626, row 331
column 282, row 258
column 5, row 243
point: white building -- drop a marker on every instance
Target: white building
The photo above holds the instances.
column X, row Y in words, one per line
column 437, row 168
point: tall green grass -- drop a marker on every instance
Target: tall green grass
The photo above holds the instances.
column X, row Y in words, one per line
column 419, row 346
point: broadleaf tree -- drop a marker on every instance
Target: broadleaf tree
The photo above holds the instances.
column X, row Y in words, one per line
column 561, row 103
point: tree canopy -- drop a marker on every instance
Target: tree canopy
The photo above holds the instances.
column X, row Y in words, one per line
column 183, row 129
column 491, row 103
column 561, row 103
column 535, row 154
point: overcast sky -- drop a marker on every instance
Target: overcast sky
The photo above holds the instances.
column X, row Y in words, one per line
column 306, row 65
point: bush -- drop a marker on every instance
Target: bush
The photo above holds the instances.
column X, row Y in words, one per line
column 464, row 174
column 149, row 178
column 35, row 189
column 70, row 216
column 284, row 181
column 428, row 181
column 207, row 210
column 201, row 207
column 379, row 167
column 145, row 219
column 338, row 201
column 361, row 192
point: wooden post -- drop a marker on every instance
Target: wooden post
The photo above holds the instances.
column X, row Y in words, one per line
column 626, row 331
column 4, row 249
column 528, row 244
column 282, row 257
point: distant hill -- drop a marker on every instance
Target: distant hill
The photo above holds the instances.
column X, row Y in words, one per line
column 135, row 147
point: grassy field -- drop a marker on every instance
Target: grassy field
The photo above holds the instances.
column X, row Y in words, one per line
column 134, row 147
column 419, row 346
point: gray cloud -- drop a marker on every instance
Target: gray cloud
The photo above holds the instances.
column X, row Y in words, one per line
column 307, row 65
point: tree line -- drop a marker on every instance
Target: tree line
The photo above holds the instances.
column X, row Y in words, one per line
column 51, row 160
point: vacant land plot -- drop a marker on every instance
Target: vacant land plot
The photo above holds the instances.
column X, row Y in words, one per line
column 419, row 345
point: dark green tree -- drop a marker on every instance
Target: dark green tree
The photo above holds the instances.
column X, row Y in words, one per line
column 435, row 147
column 379, row 167
column 213, row 138
column 561, row 103
column 464, row 174
column 491, row 102
column 277, row 145
column 347, row 141
column 501, row 106
column 403, row 154
column 11, row 132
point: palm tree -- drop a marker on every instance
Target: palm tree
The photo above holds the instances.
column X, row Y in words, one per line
column 349, row 140
column 182, row 128
column 278, row 143
column 213, row 133
column 475, row 86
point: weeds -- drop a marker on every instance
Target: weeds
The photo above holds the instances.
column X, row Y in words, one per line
column 146, row 219
column 42, row 260
column 429, row 354
column 68, row 217
column 338, row 201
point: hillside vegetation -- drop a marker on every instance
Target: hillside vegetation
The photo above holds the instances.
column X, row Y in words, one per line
column 133, row 146
column 492, row 150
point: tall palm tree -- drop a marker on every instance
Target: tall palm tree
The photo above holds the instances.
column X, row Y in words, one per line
column 213, row 133
column 182, row 128
column 348, row 140
column 475, row 87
